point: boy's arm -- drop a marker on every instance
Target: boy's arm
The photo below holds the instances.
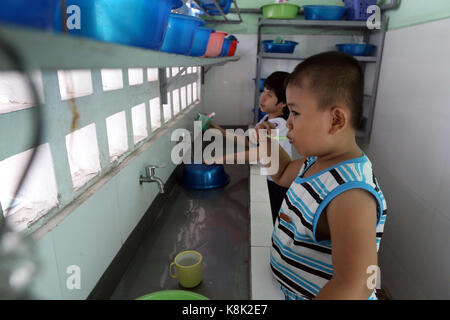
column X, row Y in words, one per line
column 352, row 219
column 235, row 138
column 287, row 168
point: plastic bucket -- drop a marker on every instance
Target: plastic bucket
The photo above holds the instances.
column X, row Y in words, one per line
column 280, row 11
column 201, row 40
column 215, row 44
column 35, row 14
column 180, row 33
column 173, row 295
column 324, row 12
column 140, row 23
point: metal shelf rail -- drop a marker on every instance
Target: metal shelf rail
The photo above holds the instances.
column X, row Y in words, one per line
column 222, row 14
column 375, row 37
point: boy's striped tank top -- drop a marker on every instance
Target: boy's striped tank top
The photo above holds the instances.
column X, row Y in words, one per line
column 299, row 262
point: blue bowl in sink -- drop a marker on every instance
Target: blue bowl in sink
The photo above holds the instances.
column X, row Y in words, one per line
column 203, row 176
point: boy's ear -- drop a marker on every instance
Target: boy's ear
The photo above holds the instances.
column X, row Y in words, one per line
column 281, row 104
column 339, row 119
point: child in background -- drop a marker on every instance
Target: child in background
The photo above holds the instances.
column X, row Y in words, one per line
column 331, row 221
column 273, row 102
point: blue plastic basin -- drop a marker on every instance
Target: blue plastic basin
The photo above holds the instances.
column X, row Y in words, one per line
column 35, row 13
column 211, row 9
column 262, row 81
column 286, row 47
column 202, row 176
column 324, row 12
column 356, row 49
column 201, row 40
column 180, row 33
column 225, row 47
column 140, row 23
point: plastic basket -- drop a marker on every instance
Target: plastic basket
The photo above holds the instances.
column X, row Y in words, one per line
column 357, row 9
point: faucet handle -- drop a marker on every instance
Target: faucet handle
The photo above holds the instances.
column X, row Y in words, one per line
column 150, row 169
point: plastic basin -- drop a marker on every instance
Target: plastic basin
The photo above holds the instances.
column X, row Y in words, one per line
column 280, row 11
column 356, row 49
column 203, row 176
column 233, row 48
column 286, row 47
column 201, row 40
column 324, row 12
column 140, row 23
column 225, row 47
column 215, row 44
column 211, row 9
column 180, row 33
column 34, row 14
column 173, row 295
column 261, row 83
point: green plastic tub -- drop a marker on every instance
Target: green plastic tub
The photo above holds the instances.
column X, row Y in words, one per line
column 280, row 11
column 173, row 295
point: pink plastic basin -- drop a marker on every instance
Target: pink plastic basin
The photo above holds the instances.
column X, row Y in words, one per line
column 215, row 44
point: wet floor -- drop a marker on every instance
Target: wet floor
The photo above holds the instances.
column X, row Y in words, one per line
column 216, row 223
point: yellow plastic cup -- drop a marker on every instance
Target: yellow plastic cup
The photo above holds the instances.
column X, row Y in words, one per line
column 188, row 265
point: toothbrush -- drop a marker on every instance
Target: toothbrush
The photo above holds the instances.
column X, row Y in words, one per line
column 277, row 137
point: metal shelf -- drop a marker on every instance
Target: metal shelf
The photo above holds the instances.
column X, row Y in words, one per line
column 288, row 56
column 336, row 27
column 222, row 14
column 322, row 24
column 51, row 51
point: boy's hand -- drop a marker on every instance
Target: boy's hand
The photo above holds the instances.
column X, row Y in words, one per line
column 267, row 125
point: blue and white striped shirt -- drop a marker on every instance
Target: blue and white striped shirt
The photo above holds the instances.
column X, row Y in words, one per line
column 299, row 262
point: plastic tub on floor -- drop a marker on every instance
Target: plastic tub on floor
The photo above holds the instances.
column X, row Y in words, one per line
column 215, row 44
column 180, row 33
column 140, row 23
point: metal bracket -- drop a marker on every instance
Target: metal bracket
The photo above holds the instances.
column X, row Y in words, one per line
column 225, row 19
column 394, row 4
column 164, row 83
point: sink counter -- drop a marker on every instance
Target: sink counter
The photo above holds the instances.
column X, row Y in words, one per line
column 216, row 223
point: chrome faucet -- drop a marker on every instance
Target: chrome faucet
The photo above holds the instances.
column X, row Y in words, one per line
column 150, row 170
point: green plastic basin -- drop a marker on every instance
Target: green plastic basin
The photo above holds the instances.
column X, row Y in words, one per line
column 173, row 295
column 280, row 11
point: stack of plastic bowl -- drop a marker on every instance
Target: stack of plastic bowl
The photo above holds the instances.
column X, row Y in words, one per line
column 140, row 23
column 180, row 33
column 200, row 41
column 215, row 44
column 34, row 14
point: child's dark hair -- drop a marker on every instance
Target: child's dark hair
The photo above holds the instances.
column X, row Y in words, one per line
column 333, row 76
column 275, row 82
